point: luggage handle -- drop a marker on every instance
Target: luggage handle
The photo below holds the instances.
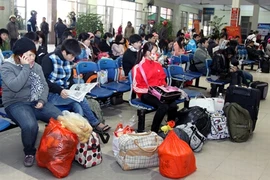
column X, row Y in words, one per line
column 244, row 91
column 149, row 151
column 200, row 95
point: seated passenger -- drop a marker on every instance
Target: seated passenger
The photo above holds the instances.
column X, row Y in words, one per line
column 192, row 44
column 105, row 44
column 130, row 56
column 253, row 54
column 86, row 54
column 178, row 47
column 155, row 76
column 57, row 68
column 25, row 94
column 200, row 55
column 4, row 42
column 117, row 46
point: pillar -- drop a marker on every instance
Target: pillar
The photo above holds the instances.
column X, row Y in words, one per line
column 235, row 13
column 255, row 17
column 51, row 19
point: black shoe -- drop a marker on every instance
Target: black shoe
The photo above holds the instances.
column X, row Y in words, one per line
column 29, row 160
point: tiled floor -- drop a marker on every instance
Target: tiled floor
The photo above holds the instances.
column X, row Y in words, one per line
column 219, row 160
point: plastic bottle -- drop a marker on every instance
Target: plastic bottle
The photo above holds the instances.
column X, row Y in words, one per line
column 219, row 102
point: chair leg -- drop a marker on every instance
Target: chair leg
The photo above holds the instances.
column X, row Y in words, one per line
column 141, row 120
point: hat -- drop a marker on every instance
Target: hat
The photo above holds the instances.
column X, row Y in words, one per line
column 187, row 36
column 12, row 16
column 3, row 30
column 164, row 23
column 23, row 45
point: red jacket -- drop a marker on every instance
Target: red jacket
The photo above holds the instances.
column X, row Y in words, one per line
column 155, row 76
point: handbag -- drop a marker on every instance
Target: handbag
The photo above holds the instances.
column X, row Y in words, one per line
column 102, row 55
column 138, row 150
column 89, row 154
column 165, row 94
column 207, row 103
column 219, row 129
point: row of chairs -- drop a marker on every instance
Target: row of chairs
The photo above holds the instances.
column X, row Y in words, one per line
column 187, row 59
column 243, row 56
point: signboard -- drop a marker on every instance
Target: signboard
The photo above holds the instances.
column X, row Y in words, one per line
column 263, row 28
column 210, row 11
column 235, row 12
column 234, row 31
column 196, row 25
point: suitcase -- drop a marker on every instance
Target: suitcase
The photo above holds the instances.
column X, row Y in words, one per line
column 262, row 86
column 265, row 65
column 248, row 98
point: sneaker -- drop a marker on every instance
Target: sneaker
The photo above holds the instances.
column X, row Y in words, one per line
column 29, row 160
column 259, row 70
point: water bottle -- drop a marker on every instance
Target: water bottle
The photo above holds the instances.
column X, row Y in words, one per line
column 219, row 102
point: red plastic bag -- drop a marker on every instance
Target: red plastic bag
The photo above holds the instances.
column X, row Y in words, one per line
column 176, row 159
column 57, row 149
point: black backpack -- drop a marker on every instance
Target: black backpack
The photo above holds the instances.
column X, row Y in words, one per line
column 196, row 115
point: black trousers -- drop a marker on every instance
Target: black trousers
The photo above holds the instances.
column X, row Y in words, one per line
column 12, row 42
column 162, row 110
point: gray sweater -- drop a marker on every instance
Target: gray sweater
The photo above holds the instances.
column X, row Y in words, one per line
column 16, row 84
column 200, row 55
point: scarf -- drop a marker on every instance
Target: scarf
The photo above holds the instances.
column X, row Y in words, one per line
column 37, row 87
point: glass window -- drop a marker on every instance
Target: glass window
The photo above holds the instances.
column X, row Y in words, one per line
column 101, row 10
column 190, row 22
column 101, row 2
column 139, row 7
column 19, row 3
column 110, row 2
column 165, row 13
column 117, row 3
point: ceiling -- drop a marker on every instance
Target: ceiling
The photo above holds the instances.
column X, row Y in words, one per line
column 220, row 2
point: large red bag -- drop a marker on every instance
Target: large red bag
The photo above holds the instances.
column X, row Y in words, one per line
column 57, row 149
column 176, row 159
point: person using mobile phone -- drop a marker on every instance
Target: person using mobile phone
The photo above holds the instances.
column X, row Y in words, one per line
column 25, row 93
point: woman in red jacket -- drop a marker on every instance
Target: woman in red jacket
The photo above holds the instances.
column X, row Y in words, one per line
column 155, row 76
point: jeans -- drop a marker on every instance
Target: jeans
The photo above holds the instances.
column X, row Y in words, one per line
column 82, row 107
column 248, row 78
column 162, row 110
column 25, row 115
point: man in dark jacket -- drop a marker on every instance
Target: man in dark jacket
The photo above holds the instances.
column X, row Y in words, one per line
column 59, row 29
column 213, row 42
column 130, row 56
column 253, row 54
column 44, row 28
column 32, row 22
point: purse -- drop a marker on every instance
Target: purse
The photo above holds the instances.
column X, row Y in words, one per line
column 138, row 150
column 207, row 103
column 165, row 94
column 89, row 154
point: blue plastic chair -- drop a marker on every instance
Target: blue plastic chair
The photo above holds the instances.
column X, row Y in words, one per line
column 176, row 60
column 4, row 124
column 119, row 62
column 111, row 67
column 7, row 54
column 97, row 91
column 177, row 73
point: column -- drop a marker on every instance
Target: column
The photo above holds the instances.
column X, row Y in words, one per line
column 235, row 13
column 255, row 17
column 51, row 19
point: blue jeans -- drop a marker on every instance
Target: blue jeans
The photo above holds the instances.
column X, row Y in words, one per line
column 82, row 107
column 248, row 78
column 25, row 115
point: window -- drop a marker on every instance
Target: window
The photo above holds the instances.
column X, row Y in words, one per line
column 184, row 19
column 190, row 21
column 165, row 13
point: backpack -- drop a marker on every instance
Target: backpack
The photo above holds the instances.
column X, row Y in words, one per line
column 239, row 122
column 196, row 139
column 95, row 107
column 197, row 116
